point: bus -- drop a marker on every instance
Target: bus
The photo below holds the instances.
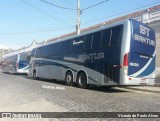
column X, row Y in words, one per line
column 121, row 53
column 16, row 62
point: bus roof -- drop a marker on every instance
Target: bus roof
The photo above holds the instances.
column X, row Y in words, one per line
column 86, row 32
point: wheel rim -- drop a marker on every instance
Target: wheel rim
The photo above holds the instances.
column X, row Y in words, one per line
column 68, row 78
column 81, row 80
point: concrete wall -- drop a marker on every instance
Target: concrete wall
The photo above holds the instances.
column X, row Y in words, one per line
column 156, row 27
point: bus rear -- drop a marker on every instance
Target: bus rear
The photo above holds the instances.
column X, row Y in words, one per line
column 139, row 59
column 22, row 63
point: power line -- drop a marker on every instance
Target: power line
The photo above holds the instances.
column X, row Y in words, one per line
column 57, row 5
column 94, row 5
column 66, row 12
column 73, row 8
column 46, row 13
column 118, row 14
column 32, row 32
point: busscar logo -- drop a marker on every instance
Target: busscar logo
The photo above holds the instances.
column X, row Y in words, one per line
column 6, row 115
column 77, row 43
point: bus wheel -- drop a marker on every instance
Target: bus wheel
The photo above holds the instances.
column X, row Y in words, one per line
column 82, row 80
column 11, row 71
column 34, row 75
column 69, row 78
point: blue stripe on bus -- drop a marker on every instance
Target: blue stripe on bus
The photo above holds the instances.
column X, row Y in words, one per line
column 150, row 69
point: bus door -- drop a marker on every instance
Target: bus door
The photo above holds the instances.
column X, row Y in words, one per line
column 112, row 73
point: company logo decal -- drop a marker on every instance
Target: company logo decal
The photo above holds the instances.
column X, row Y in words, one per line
column 77, row 43
column 92, row 56
column 145, row 32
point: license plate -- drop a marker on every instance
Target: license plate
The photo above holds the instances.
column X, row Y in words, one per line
column 143, row 81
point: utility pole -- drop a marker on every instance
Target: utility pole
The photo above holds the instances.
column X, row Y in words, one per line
column 78, row 17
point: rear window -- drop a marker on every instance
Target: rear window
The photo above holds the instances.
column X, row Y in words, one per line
column 23, row 56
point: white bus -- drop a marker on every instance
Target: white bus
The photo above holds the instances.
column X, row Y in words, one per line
column 16, row 62
column 121, row 53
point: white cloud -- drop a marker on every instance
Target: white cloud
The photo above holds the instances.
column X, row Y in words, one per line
column 14, row 47
column 5, row 46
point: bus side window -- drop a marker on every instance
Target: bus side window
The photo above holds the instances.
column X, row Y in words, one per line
column 32, row 53
column 88, row 42
column 77, row 44
column 38, row 53
column 44, row 51
column 96, row 37
column 106, row 36
column 65, row 47
column 53, row 49
column 116, row 36
column 14, row 58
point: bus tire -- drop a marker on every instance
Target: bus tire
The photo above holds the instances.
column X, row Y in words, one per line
column 11, row 71
column 82, row 80
column 34, row 75
column 69, row 78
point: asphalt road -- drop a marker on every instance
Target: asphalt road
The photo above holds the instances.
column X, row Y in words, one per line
column 18, row 93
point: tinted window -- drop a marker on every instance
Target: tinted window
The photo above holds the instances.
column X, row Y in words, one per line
column 54, row 49
column 38, row 52
column 23, row 56
column 106, row 37
column 77, row 44
column 88, row 42
column 44, row 52
column 15, row 58
column 33, row 52
column 116, row 36
column 65, row 47
column 96, row 40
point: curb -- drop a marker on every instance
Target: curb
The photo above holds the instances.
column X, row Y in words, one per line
column 157, row 85
column 143, row 90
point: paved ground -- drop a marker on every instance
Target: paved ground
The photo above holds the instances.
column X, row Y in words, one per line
column 19, row 93
column 143, row 89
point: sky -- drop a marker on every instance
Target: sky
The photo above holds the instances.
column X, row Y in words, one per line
column 23, row 21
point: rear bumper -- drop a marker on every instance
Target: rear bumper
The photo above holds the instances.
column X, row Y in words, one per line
column 137, row 81
column 22, row 71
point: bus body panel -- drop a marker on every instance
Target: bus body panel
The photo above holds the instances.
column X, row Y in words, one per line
column 141, row 55
column 103, row 66
column 16, row 63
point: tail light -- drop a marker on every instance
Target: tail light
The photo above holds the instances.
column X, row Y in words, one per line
column 125, row 60
column 125, row 63
column 17, row 65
